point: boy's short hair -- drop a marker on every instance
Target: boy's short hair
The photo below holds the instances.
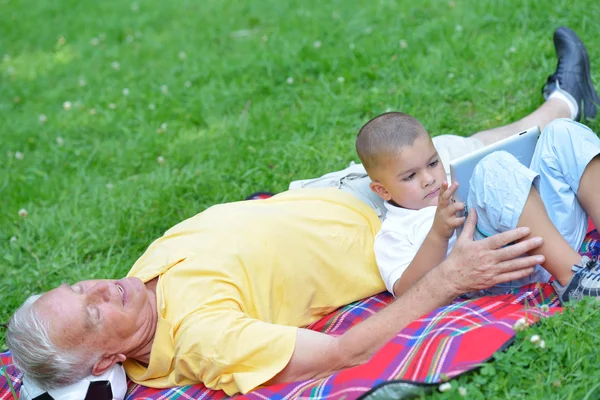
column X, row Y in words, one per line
column 384, row 136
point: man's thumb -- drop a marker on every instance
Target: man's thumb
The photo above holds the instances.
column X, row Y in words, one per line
column 470, row 224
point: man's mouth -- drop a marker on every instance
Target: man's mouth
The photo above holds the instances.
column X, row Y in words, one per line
column 433, row 193
column 122, row 292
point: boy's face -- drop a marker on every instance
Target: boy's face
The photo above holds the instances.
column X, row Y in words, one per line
column 413, row 178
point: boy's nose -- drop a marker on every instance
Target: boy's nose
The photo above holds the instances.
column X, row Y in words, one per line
column 427, row 180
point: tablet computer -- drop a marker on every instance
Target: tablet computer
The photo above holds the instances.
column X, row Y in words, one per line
column 522, row 146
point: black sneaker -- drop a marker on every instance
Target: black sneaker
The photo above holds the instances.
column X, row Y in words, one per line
column 585, row 282
column 573, row 73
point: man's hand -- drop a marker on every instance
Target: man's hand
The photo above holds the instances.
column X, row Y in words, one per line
column 445, row 220
column 474, row 265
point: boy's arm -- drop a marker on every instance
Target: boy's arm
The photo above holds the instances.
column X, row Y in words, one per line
column 434, row 248
column 431, row 253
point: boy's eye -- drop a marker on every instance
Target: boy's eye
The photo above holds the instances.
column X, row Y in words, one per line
column 433, row 164
column 410, row 177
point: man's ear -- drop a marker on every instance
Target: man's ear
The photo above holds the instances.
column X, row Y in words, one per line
column 105, row 362
column 381, row 191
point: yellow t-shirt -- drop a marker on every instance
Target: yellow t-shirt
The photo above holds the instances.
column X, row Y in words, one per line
column 237, row 279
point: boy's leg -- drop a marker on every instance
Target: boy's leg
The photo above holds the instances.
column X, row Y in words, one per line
column 500, row 191
column 562, row 155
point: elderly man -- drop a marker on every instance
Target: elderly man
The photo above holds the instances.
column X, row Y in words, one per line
column 222, row 297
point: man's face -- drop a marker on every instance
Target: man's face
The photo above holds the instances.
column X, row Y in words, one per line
column 98, row 316
column 413, row 178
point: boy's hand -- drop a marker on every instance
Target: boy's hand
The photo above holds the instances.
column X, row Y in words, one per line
column 446, row 221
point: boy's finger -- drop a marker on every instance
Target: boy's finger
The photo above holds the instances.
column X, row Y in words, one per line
column 452, row 189
column 457, row 221
column 443, row 189
column 456, row 207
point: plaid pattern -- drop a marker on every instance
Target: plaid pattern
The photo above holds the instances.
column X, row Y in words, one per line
column 444, row 343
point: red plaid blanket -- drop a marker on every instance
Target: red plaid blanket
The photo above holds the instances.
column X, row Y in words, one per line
column 444, row 343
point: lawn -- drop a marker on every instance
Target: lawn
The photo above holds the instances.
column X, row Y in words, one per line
column 120, row 119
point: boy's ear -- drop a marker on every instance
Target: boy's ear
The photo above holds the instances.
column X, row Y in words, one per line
column 381, row 191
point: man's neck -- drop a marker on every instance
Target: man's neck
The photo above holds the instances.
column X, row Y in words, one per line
column 141, row 352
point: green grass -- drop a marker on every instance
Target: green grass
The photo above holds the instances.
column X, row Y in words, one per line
column 234, row 123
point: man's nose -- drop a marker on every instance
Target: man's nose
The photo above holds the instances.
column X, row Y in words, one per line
column 100, row 292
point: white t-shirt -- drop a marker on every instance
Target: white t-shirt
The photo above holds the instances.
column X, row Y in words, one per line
column 402, row 234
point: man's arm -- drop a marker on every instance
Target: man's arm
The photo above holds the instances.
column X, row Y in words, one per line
column 472, row 265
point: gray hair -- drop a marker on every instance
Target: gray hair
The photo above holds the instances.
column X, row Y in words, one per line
column 36, row 356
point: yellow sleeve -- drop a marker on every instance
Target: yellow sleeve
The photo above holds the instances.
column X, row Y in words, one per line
column 227, row 350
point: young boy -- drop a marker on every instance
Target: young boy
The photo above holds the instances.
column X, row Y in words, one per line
column 407, row 172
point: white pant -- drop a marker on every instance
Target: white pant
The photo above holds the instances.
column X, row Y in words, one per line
column 355, row 180
column 500, row 186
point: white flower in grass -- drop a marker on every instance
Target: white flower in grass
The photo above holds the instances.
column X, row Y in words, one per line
column 317, row 44
column 521, row 325
column 112, row 106
column 116, row 65
column 135, row 7
column 110, row 186
column 341, row 79
column 462, row 391
column 352, row 46
column 182, row 55
column 403, row 44
column 444, row 387
column 544, row 308
column 13, row 239
column 67, row 105
column 512, row 49
column 151, row 106
column 450, row 75
column 451, row 3
column 542, row 344
column 161, row 160
column 164, row 89
column 92, row 111
column 82, row 82
column 125, row 92
column 19, row 156
column 187, row 84
column 388, row 109
column 535, row 339
column 42, row 118
column 23, row 213
column 95, row 41
column 163, row 126
column 290, row 80
column 60, row 141
column 458, row 28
